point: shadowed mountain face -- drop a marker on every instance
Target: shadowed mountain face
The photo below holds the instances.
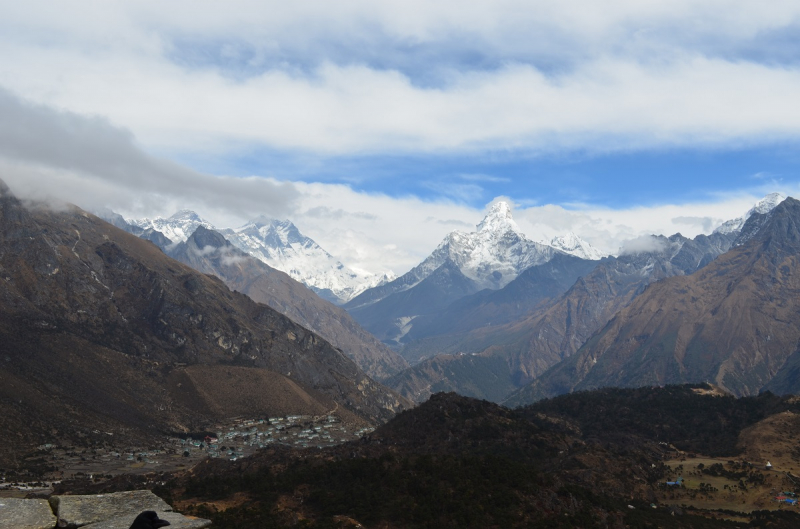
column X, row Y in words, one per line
column 735, row 323
column 553, row 331
column 390, row 318
column 209, row 252
column 97, row 326
column 531, row 290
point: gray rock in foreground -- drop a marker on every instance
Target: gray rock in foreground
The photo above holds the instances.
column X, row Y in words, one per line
column 16, row 513
column 77, row 511
column 176, row 521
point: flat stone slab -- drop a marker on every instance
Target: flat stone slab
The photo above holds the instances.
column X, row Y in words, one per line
column 17, row 513
column 176, row 521
column 77, row 511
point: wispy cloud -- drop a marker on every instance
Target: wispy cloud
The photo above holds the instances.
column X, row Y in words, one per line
column 483, row 178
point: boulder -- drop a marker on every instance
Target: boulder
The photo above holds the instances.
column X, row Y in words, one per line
column 16, row 513
column 78, row 511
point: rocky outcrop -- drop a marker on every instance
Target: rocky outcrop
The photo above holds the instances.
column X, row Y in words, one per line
column 77, row 511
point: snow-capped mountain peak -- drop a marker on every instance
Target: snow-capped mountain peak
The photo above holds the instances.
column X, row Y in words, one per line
column 499, row 219
column 573, row 245
column 177, row 228
column 280, row 244
column 765, row 205
column 492, row 256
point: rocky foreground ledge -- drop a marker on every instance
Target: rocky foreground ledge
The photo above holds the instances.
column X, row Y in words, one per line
column 101, row 511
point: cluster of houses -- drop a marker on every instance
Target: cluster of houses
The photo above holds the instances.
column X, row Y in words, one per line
column 789, row 498
column 246, row 436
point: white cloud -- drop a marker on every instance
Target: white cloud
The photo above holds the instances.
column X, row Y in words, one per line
column 644, row 243
column 350, row 77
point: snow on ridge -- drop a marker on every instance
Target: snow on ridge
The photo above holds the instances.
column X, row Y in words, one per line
column 492, row 256
column 572, row 244
column 765, row 205
column 279, row 244
column 177, row 228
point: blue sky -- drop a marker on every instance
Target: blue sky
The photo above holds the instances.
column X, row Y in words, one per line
column 611, row 118
column 615, row 180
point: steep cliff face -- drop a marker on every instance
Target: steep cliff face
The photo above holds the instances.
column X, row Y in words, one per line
column 734, row 322
column 209, row 252
column 94, row 322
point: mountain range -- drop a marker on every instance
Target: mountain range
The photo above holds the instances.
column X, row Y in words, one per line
column 464, row 263
column 105, row 337
column 734, row 323
column 518, row 343
column 488, row 312
column 494, row 315
column 277, row 243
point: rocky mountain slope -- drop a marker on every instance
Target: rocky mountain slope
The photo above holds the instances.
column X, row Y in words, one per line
column 530, row 290
column 209, row 252
column 734, row 322
column 537, row 340
column 98, row 327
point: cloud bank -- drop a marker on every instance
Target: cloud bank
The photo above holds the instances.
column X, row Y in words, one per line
column 365, row 77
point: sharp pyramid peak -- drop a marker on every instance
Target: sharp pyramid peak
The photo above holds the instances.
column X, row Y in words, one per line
column 498, row 218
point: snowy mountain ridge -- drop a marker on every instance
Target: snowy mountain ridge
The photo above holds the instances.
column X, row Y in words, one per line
column 573, row 245
column 176, row 228
column 765, row 205
column 492, row 256
column 279, row 244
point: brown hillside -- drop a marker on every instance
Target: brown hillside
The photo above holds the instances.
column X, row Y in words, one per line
column 210, row 253
column 734, row 323
column 94, row 321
